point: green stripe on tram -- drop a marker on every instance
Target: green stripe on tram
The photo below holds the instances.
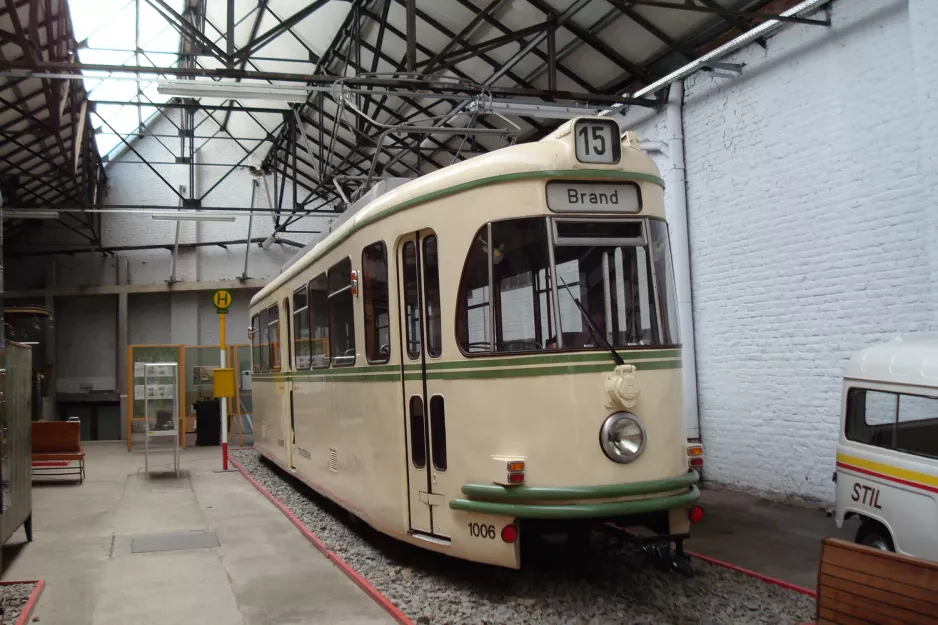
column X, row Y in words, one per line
column 603, row 357
column 535, row 372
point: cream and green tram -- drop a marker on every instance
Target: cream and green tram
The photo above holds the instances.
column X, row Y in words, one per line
column 487, row 350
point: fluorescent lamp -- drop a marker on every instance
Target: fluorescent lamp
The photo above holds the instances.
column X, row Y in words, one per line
column 192, row 217
column 30, row 214
column 542, row 111
column 233, row 90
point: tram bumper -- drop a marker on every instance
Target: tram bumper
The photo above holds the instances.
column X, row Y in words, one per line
column 581, row 502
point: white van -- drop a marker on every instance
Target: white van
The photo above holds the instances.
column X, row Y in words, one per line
column 887, row 455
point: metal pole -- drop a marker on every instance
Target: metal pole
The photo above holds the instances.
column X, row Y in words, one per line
column 552, row 56
column 247, row 248
column 224, row 400
column 411, row 29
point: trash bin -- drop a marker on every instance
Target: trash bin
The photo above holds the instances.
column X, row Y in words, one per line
column 207, row 422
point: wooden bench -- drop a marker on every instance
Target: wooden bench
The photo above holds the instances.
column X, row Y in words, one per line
column 55, row 443
column 861, row 585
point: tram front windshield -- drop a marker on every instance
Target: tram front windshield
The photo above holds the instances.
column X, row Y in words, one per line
column 618, row 270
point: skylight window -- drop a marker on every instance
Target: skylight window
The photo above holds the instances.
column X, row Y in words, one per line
column 123, row 32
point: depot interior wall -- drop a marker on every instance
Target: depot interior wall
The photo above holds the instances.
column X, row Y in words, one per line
column 87, row 342
column 811, row 230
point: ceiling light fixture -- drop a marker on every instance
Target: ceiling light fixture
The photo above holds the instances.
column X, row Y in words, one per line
column 234, row 91
column 191, row 217
column 541, row 111
column 30, row 214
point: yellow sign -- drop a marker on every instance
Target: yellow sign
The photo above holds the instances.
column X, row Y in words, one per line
column 223, row 383
column 222, row 300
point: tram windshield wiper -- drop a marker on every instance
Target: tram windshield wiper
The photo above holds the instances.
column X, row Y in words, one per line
column 594, row 331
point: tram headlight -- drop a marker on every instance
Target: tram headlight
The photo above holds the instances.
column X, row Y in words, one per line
column 622, row 437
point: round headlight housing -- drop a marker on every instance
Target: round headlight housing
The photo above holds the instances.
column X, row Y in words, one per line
column 622, row 437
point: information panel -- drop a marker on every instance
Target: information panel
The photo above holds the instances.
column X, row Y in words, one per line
column 593, row 197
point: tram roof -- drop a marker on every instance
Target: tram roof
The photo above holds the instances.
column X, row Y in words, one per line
column 548, row 157
column 903, row 360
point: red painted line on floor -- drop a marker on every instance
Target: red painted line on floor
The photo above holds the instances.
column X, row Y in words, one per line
column 764, row 578
column 27, row 612
column 343, row 566
column 738, row 569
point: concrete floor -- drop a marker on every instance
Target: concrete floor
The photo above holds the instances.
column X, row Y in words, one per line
column 262, row 573
column 771, row 538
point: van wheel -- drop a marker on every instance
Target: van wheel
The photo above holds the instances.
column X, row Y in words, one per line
column 872, row 534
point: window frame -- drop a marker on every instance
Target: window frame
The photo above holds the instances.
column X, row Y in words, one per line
column 301, row 313
column 330, row 297
column 898, row 395
column 373, row 332
column 272, row 348
column 312, row 319
column 553, row 290
column 256, row 343
column 416, row 342
column 264, row 330
column 426, row 299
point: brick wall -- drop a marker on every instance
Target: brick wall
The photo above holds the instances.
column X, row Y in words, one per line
column 811, row 231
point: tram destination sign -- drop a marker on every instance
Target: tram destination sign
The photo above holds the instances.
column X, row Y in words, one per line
column 593, row 197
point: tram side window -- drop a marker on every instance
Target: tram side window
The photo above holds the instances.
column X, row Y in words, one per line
column 319, row 322
column 375, row 303
column 264, row 342
column 523, row 319
column 300, row 329
column 256, row 342
column 431, row 289
column 411, row 300
column 341, row 314
column 274, row 324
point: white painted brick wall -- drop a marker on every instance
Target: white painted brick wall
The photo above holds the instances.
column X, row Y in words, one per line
column 812, row 230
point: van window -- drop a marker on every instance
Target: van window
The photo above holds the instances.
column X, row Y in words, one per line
column 341, row 314
column 256, row 343
column 273, row 324
column 900, row 421
column 300, row 329
column 319, row 322
column 917, row 427
column 265, row 342
column 375, row 303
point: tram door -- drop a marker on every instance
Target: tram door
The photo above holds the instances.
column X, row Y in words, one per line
column 423, row 410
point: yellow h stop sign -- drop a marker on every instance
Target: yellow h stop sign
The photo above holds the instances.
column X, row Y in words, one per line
column 222, row 301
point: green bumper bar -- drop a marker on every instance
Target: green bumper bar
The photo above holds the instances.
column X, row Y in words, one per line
column 515, row 494
column 577, row 511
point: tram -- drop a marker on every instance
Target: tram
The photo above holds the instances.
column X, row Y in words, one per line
column 487, row 351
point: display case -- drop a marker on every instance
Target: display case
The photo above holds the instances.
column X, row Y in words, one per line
column 161, row 416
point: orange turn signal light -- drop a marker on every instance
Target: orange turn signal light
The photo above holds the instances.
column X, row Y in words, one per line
column 516, row 465
column 696, row 450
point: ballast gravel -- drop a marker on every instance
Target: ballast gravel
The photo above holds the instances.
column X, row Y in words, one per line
column 12, row 599
column 609, row 582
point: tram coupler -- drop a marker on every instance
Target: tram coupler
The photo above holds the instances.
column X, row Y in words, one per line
column 658, row 548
